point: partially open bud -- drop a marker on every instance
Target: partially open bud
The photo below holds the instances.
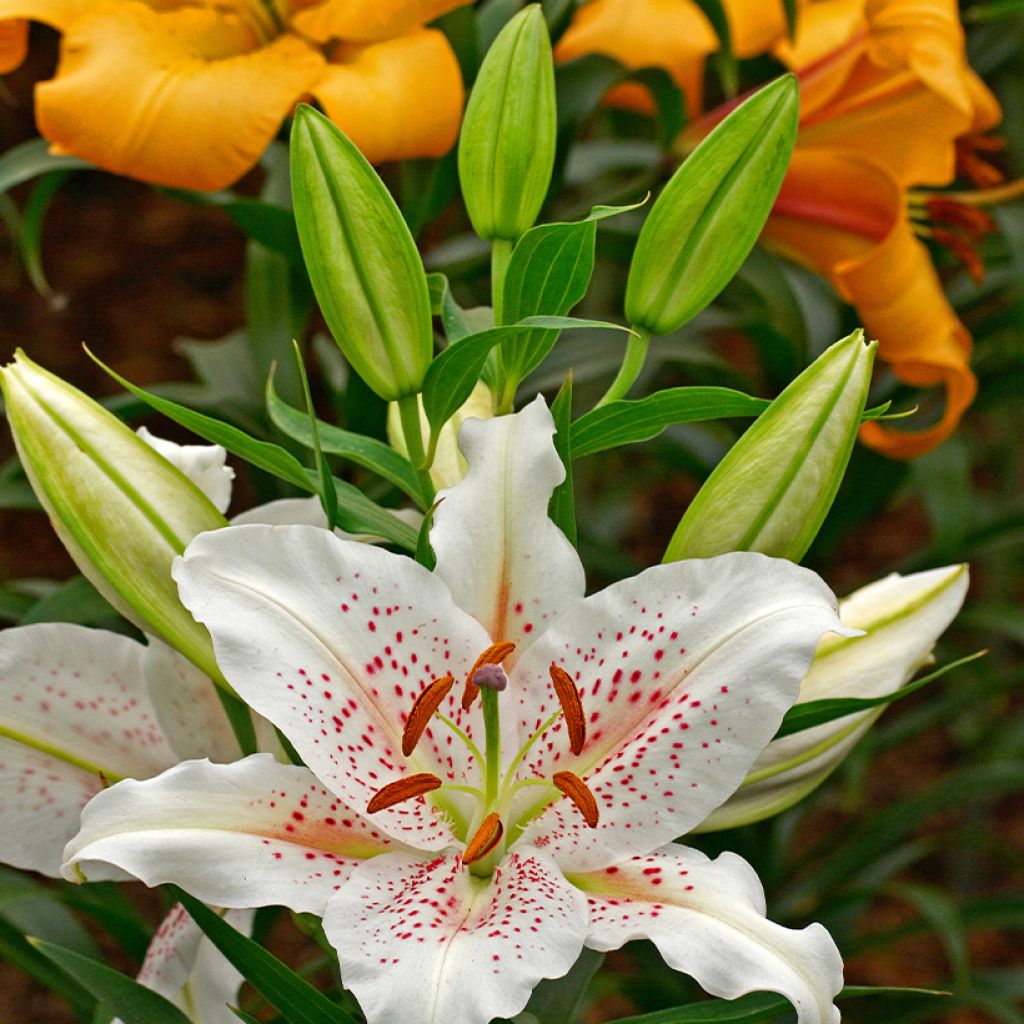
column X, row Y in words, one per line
column 122, row 511
column 449, row 465
column 507, row 144
column 773, row 489
column 708, row 217
column 362, row 260
column 902, row 618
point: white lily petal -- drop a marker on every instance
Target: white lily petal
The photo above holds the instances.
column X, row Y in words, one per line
column 187, row 707
column 685, row 672
column 707, row 919
column 423, row 941
column 73, row 711
column 504, row 560
column 250, row 834
column 204, row 464
column 284, row 512
column 902, row 618
column 187, row 969
column 332, row 642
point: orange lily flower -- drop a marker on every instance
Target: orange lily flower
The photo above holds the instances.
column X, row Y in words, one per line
column 671, row 34
column 888, row 102
column 847, row 219
column 13, row 44
column 189, row 93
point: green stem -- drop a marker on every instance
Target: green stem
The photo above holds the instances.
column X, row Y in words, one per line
column 632, row 364
column 412, row 430
column 501, row 254
column 492, row 747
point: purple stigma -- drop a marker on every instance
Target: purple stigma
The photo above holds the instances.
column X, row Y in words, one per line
column 491, row 677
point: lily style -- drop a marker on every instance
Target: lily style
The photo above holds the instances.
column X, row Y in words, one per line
column 495, row 766
column 190, row 94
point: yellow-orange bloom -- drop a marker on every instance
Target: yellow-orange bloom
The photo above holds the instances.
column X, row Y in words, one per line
column 13, row 44
column 886, row 93
column 189, row 93
column 671, row 34
column 888, row 102
column 846, row 218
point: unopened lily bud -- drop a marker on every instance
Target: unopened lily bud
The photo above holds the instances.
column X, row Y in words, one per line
column 122, row 511
column 362, row 260
column 773, row 489
column 507, row 144
column 449, row 465
column 709, row 215
column 902, row 618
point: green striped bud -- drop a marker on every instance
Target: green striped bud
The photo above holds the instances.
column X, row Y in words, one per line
column 507, row 144
column 773, row 489
column 122, row 511
column 709, row 215
column 362, row 260
column 902, row 618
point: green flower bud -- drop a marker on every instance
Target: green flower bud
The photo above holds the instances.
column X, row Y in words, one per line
column 507, row 144
column 902, row 617
column 773, row 489
column 361, row 258
column 708, row 217
column 122, row 511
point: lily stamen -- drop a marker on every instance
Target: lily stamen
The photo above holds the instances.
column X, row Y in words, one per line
column 423, row 709
column 580, row 794
column 572, row 707
column 486, row 838
column 403, row 789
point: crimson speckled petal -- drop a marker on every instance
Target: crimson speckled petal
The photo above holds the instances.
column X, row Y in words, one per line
column 448, row 946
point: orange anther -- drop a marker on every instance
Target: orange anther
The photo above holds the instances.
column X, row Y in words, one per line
column 428, row 701
column 579, row 793
column 494, row 655
column 403, row 789
column 487, row 837
column 572, row 707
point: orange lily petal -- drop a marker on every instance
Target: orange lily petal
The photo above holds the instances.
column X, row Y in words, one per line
column 896, row 88
column 670, row 34
column 13, row 44
column 367, row 21
column 755, row 26
column 397, row 99
column 822, row 28
column 55, row 13
column 185, row 98
column 833, row 217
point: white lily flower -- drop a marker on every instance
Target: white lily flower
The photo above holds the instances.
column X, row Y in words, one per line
column 81, row 709
column 902, row 618
column 204, row 464
column 431, row 833
column 187, row 969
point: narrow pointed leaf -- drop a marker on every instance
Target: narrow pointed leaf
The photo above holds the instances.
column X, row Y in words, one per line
column 295, row 999
column 328, row 495
column 627, row 421
column 364, row 451
column 357, row 513
column 124, row 996
column 453, row 374
column 562, row 507
column 817, row 712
